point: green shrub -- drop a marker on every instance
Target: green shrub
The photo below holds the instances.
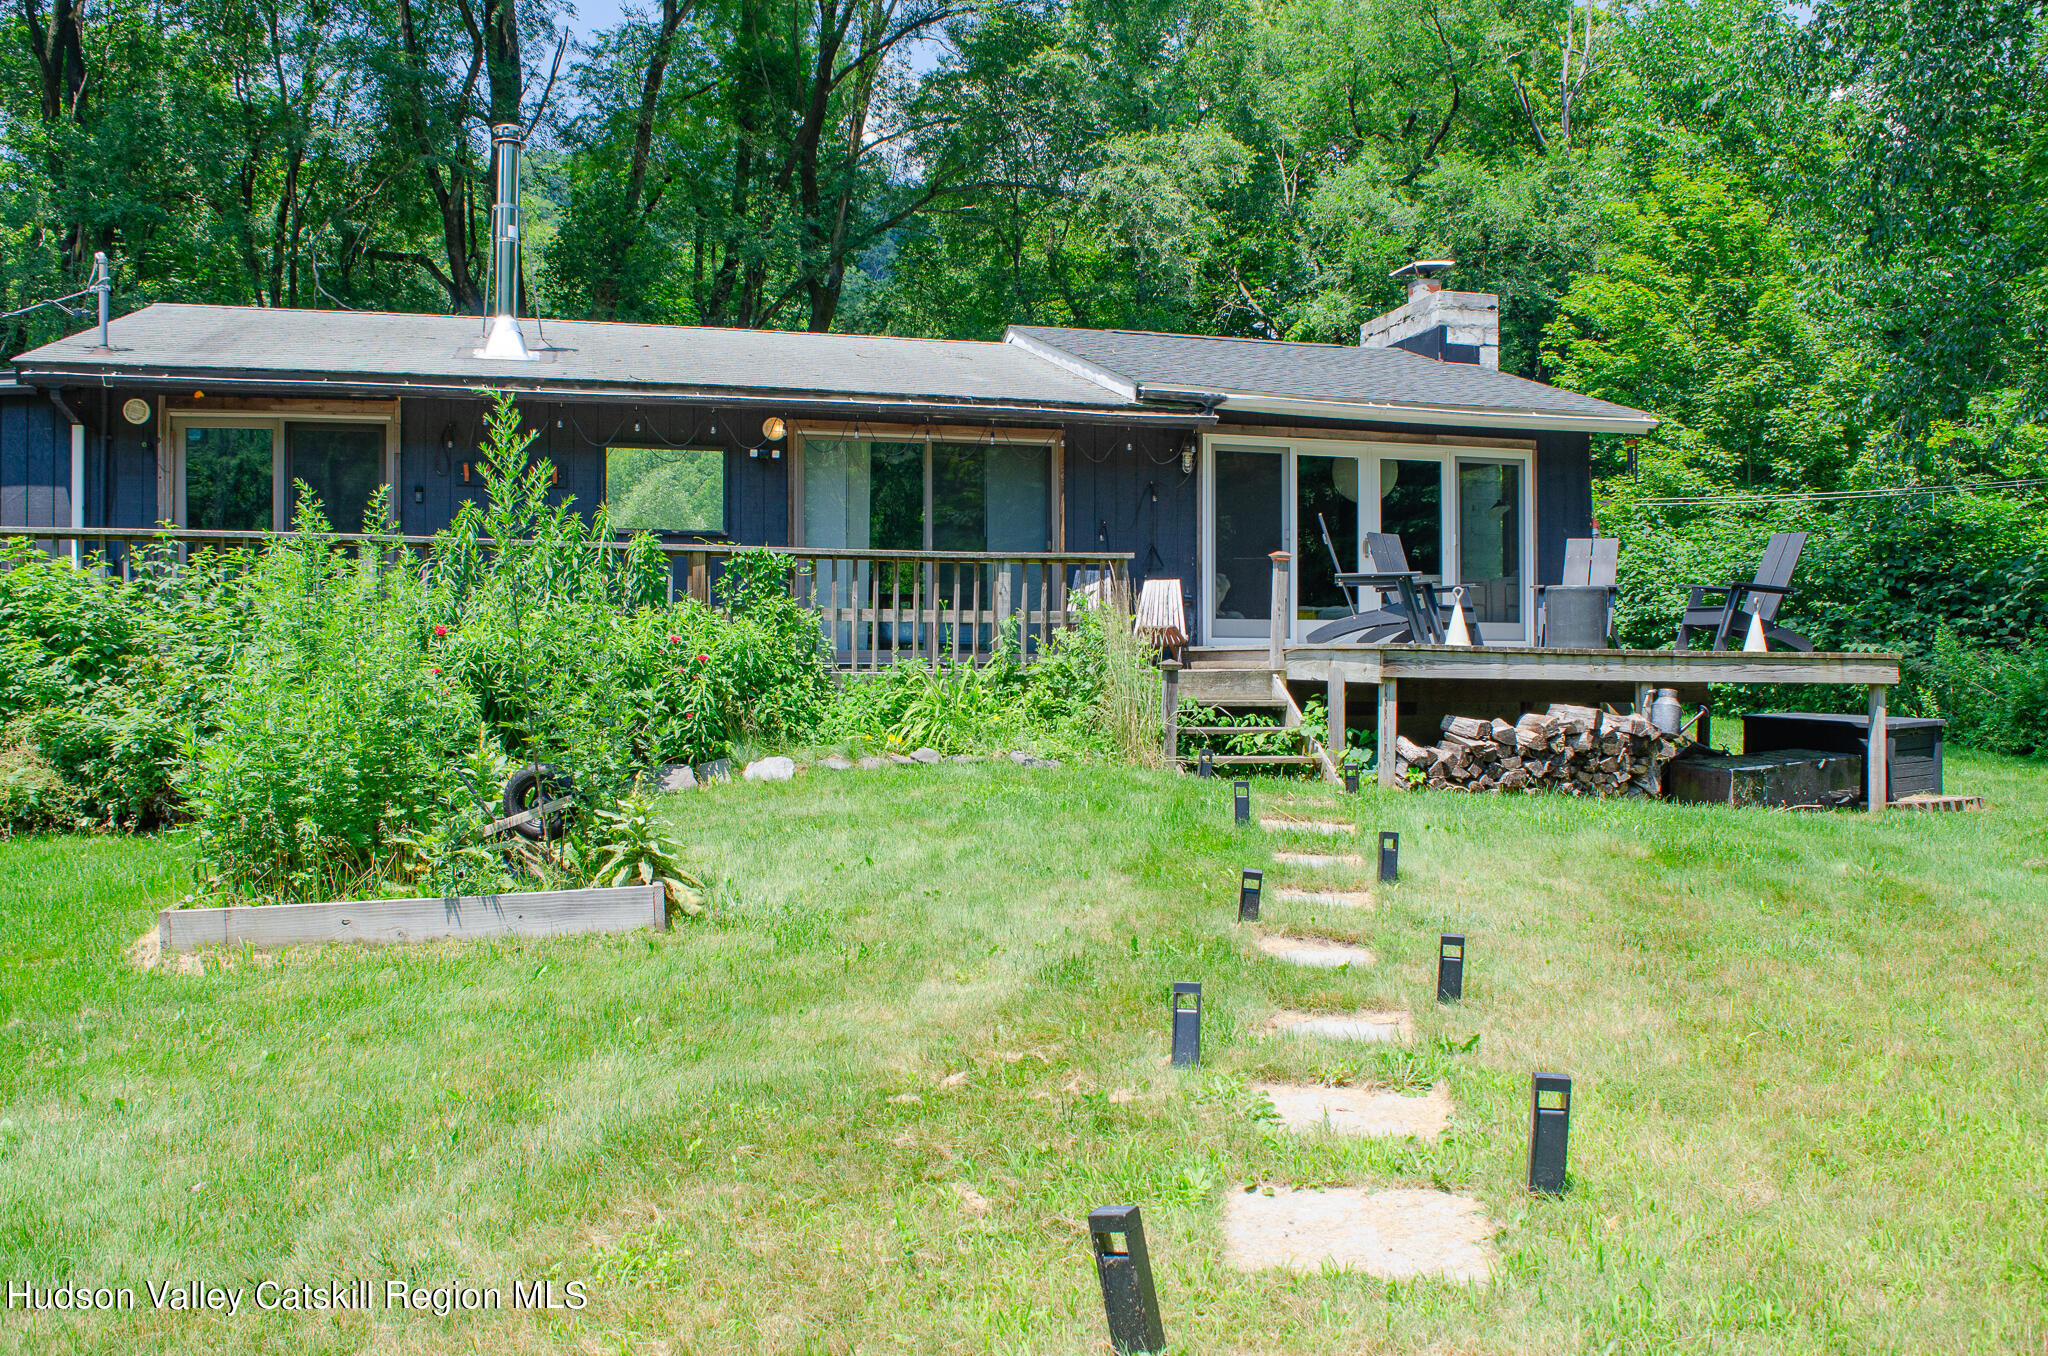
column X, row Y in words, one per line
column 339, row 732
column 1994, row 700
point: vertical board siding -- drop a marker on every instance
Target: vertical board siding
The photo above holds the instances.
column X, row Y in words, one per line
column 1125, row 492
column 1564, row 498
column 35, row 461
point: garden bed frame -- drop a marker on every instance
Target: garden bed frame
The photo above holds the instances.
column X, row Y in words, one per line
column 541, row 913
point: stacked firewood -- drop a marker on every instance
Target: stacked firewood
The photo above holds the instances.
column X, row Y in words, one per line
column 1579, row 750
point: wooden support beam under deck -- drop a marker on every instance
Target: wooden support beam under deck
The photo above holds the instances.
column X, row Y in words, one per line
column 1388, row 731
column 1876, row 751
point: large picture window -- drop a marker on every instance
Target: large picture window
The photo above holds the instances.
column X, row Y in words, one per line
column 665, row 489
column 885, row 495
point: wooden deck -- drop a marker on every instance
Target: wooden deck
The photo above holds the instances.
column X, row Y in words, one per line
column 1245, row 676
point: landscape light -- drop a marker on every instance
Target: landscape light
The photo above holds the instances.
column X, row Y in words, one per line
column 1350, row 781
column 1450, row 967
column 1128, row 1299
column 1187, row 1023
column 1390, row 856
column 1550, row 1119
column 1205, row 765
column 1248, row 888
column 1244, row 802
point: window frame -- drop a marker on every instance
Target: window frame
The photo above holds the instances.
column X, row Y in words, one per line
column 1053, row 440
column 274, row 415
column 724, row 455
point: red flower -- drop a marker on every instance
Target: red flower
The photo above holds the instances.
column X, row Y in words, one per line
column 703, row 659
column 435, row 672
column 440, row 630
column 675, row 640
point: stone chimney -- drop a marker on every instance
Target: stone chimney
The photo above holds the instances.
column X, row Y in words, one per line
column 1452, row 327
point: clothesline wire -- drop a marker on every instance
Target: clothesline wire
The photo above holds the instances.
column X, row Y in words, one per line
column 1829, row 496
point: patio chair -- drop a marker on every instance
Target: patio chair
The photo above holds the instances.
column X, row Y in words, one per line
column 1742, row 604
column 1416, row 615
column 1591, row 565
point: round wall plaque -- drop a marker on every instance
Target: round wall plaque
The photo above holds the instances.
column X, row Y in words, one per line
column 137, row 410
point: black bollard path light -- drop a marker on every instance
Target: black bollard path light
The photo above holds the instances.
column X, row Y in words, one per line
column 1390, row 856
column 1205, row 765
column 1248, row 887
column 1243, row 797
column 1351, row 779
column 1450, row 967
column 1550, row 1119
column 1126, row 1274
column 1187, row 1023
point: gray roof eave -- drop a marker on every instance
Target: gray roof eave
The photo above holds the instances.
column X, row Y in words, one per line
column 384, row 386
column 1310, row 407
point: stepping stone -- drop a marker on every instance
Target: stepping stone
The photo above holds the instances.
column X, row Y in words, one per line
column 1336, row 899
column 1359, row 1111
column 836, row 763
column 1373, row 1028
column 1324, row 826
column 1318, row 859
column 776, row 769
column 872, row 761
column 927, row 756
column 1314, row 952
column 1395, row 1235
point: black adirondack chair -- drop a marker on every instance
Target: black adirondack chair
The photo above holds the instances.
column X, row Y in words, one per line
column 1729, row 619
column 1591, row 565
column 1413, row 616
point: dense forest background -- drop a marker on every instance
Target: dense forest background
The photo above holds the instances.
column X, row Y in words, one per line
column 1810, row 236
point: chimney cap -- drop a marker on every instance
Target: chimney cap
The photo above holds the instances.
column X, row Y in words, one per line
column 1423, row 268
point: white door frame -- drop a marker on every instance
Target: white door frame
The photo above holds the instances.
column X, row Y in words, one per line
column 171, row 466
column 1371, row 452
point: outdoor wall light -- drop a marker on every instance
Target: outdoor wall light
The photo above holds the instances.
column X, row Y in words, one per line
column 419, row 494
column 772, row 429
column 1187, row 459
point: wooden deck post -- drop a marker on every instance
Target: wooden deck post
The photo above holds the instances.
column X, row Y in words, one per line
column 1389, row 729
column 1277, row 655
column 1338, row 723
column 1645, row 694
column 1876, row 751
column 1169, row 671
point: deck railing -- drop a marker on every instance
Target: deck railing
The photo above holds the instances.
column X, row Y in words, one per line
column 874, row 606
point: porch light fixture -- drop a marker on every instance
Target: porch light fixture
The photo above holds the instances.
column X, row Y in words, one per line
column 1187, row 1024
column 1450, row 967
column 419, row 494
column 1550, row 1123
column 1390, row 856
column 773, row 429
column 1187, row 459
column 1129, row 1300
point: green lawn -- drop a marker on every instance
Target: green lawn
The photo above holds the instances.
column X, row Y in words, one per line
column 1810, row 1113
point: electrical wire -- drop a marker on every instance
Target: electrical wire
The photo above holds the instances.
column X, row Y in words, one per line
column 1830, row 496
column 58, row 302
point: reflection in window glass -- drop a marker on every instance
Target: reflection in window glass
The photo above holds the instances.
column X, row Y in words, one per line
column 1490, row 539
column 1249, row 519
column 228, row 474
column 665, row 489
column 1412, row 508
column 1326, row 509
column 341, row 464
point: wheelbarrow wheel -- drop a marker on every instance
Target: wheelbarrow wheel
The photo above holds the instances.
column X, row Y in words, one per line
column 534, row 785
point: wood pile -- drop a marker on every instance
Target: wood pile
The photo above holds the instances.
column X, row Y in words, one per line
column 1578, row 750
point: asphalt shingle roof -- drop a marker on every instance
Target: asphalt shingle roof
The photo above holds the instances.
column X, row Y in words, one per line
column 1337, row 372
column 176, row 339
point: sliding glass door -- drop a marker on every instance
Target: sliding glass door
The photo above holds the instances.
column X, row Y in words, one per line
column 1460, row 520
column 241, row 473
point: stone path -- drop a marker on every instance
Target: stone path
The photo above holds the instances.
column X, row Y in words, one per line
column 1395, row 1235
column 1318, row 859
column 1315, row 952
column 1329, row 827
column 1375, row 1112
column 1373, row 1027
column 1337, row 899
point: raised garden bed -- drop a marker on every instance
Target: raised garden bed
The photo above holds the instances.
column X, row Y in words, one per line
column 542, row 913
